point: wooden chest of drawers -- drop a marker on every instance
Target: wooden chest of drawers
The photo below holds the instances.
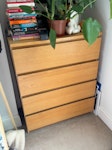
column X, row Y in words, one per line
column 55, row 84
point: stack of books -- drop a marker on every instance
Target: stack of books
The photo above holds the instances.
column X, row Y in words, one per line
column 22, row 25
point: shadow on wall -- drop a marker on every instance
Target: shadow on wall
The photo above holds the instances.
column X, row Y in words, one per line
column 3, row 17
column 101, row 12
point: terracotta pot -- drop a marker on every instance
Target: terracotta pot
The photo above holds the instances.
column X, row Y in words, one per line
column 59, row 26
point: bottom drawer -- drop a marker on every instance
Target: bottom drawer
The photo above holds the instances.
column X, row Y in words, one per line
column 58, row 114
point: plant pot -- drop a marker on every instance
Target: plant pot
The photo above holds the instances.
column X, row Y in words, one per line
column 59, row 26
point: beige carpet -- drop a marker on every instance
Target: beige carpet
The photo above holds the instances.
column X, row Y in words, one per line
column 86, row 132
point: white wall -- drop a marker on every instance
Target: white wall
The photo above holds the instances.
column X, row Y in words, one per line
column 102, row 12
column 5, row 77
column 6, row 81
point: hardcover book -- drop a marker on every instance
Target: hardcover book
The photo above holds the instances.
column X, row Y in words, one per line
column 22, row 18
column 24, row 29
column 12, row 22
column 23, row 32
column 20, row 15
column 15, row 10
column 25, row 37
column 27, row 25
column 16, row 4
column 20, row 0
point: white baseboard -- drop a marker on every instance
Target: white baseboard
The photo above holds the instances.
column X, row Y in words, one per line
column 105, row 117
column 8, row 124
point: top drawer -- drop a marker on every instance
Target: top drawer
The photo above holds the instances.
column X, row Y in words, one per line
column 38, row 58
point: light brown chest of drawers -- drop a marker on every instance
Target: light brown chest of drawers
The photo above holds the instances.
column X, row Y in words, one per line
column 55, row 84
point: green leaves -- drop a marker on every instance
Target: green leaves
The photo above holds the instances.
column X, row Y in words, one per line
column 85, row 3
column 77, row 8
column 52, row 9
column 52, row 37
column 91, row 29
column 26, row 9
column 111, row 9
column 81, row 5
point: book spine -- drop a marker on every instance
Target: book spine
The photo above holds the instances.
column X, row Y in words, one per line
column 19, row 1
column 31, row 4
column 12, row 22
column 23, row 32
column 28, row 36
column 14, row 10
column 22, row 18
column 17, row 10
column 11, row 0
column 24, row 29
column 20, row 15
column 24, row 0
column 27, row 25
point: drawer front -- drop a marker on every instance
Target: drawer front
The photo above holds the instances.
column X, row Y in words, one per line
column 56, row 78
column 59, row 97
column 58, row 114
column 44, row 57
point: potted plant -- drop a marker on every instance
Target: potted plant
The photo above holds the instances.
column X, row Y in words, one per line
column 61, row 10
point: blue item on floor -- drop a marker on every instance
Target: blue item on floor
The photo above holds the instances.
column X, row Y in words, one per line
column 1, row 143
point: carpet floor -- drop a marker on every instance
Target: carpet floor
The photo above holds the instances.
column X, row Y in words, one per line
column 86, row 132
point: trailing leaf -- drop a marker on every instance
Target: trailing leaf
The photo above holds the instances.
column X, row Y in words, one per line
column 91, row 29
column 52, row 37
column 26, row 9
